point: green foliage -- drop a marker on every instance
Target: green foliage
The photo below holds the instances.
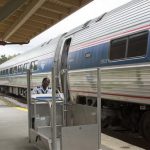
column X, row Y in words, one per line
column 4, row 58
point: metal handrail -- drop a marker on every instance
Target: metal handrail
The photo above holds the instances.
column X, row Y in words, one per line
column 99, row 106
column 53, row 123
column 29, row 102
column 65, row 97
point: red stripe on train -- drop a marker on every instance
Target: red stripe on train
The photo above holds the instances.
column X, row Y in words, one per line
column 104, row 39
column 113, row 94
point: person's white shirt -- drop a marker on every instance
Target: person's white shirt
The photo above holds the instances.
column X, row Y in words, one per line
column 41, row 90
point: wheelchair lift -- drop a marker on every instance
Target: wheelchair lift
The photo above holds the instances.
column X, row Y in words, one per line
column 51, row 120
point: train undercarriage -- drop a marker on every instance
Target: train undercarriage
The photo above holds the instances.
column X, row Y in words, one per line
column 18, row 91
column 130, row 116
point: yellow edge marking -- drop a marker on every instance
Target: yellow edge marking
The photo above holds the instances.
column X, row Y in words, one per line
column 23, row 109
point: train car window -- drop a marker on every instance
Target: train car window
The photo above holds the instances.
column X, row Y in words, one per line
column 11, row 71
column 3, row 72
column 118, row 49
column 131, row 46
column 7, row 71
column 137, row 45
column 15, row 70
column 20, row 68
column 34, row 65
column 26, row 66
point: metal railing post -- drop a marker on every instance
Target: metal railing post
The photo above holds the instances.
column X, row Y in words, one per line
column 53, row 125
column 65, row 98
column 99, row 106
column 29, row 102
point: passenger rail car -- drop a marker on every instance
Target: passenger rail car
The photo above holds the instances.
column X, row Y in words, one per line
column 119, row 43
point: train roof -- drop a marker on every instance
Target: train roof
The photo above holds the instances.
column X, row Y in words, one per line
column 44, row 48
column 133, row 14
column 129, row 15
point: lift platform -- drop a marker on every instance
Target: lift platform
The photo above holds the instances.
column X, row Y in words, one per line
column 53, row 123
column 50, row 126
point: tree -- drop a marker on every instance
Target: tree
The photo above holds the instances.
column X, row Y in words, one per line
column 3, row 58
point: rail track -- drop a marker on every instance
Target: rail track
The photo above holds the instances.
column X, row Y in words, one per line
column 127, row 136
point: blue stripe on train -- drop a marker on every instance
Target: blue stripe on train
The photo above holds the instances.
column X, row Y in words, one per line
column 97, row 56
column 45, row 65
column 94, row 56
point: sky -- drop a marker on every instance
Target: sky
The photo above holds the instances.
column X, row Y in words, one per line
column 90, row 11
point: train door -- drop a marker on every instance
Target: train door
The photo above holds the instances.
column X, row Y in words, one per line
column 80, row 133
column 65, row 53
column 64, row 58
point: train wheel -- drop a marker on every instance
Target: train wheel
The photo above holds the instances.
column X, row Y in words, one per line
column 145, row 125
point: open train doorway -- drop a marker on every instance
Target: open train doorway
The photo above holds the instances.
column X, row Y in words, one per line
column 65, row 54
column 64, row 60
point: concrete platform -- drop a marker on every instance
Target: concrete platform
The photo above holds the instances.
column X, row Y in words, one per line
column 14, row 132
column 110, row 143
column 13, row 129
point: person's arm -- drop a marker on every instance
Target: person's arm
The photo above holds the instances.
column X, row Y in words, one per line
column 34, row 91
column 60, row 95
column 49, row 90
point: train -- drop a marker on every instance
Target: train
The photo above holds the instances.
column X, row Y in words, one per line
column 117, row 42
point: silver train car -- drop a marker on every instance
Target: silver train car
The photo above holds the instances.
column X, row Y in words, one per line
column 119, row 43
